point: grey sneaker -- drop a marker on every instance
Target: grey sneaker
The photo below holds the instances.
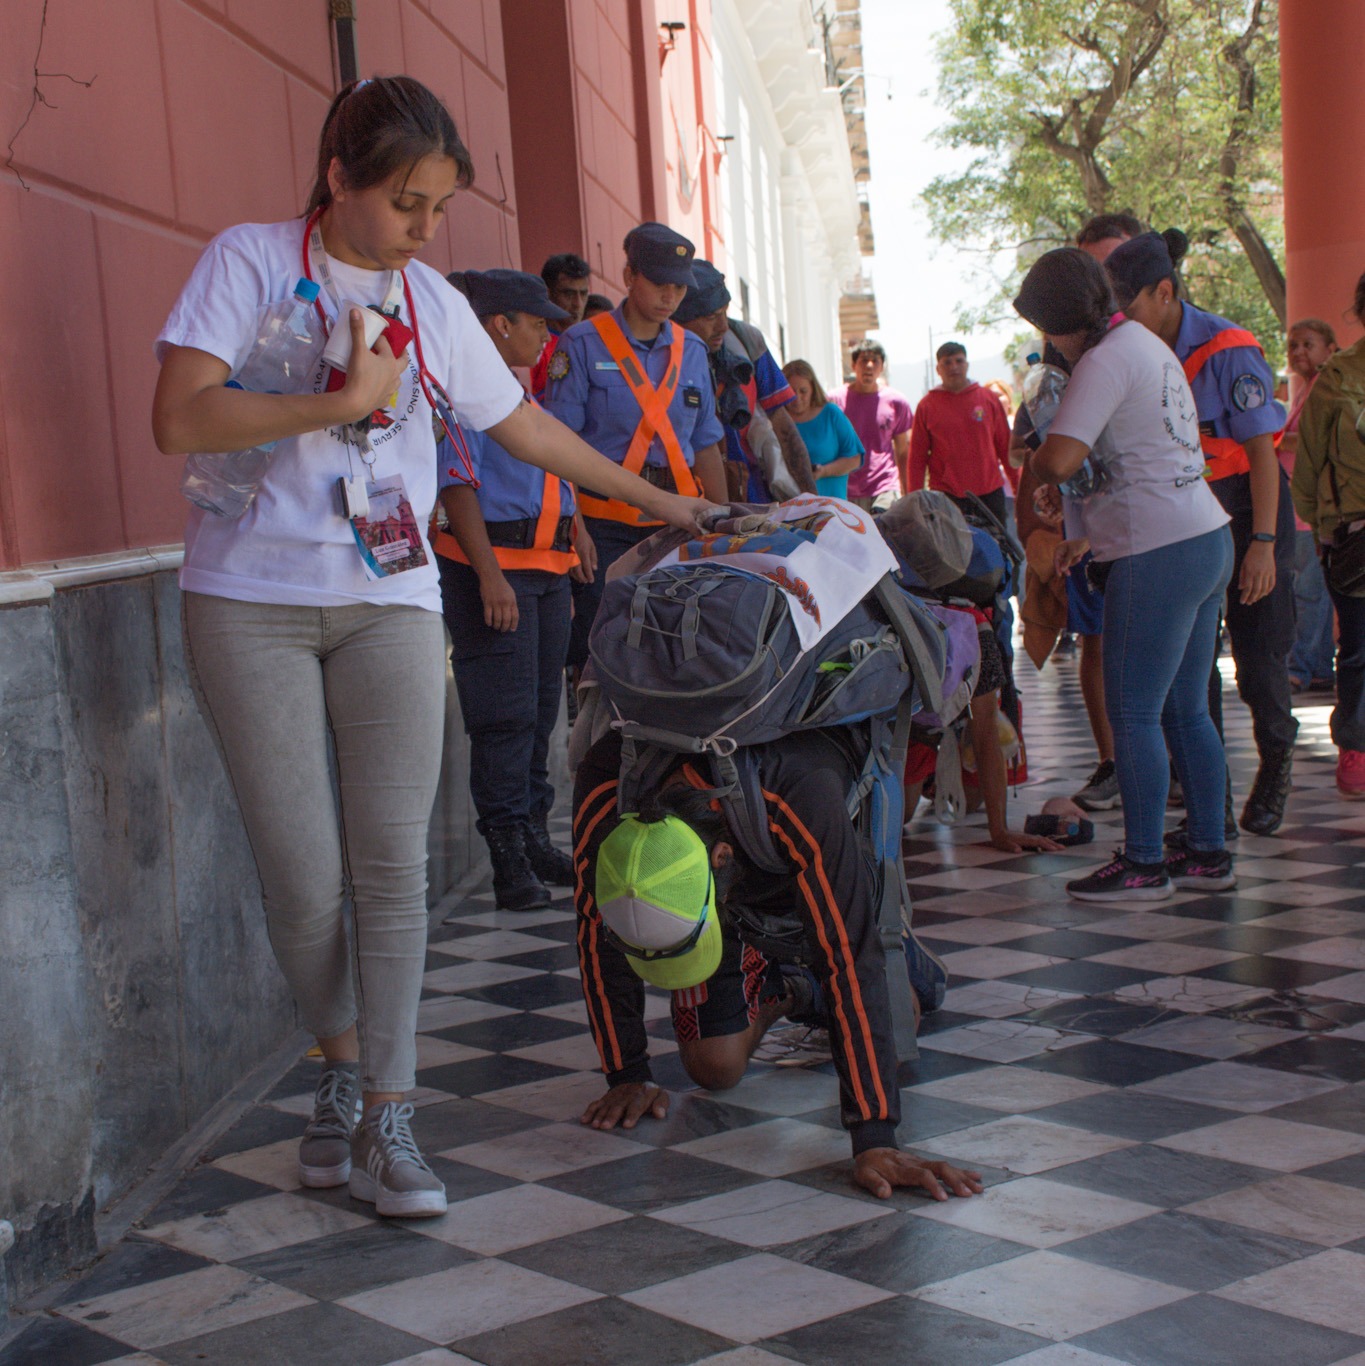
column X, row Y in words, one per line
column 1101, row 791
column 325, row 1153
column 387, row 1171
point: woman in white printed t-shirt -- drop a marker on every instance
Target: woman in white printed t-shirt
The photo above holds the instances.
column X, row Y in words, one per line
column 294, row 633
column 1162, row 540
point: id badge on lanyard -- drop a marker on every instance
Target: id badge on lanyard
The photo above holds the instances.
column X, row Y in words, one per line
column 379, row 510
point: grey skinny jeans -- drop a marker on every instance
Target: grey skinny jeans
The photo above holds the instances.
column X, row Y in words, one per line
column 272, row 681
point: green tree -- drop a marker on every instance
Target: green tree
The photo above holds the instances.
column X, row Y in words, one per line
column 1167, row 109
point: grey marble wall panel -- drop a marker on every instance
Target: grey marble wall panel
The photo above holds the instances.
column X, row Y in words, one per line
column 235, row 1007
column 108, row 662
column 46, row 1076
column 137, row 983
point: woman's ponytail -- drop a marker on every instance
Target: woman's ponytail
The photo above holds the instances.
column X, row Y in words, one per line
column 1178, row 244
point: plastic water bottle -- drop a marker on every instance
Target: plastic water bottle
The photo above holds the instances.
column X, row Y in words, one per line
column 289, row 339
column 1044, row 387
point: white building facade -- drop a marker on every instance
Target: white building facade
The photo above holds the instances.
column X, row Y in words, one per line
column 789, row 210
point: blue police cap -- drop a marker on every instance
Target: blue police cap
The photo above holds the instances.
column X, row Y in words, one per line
column 507, row 291
column 1139, row 262
column 705, row 296
column 660, row 254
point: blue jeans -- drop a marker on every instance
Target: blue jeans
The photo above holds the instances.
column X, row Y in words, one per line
column 510, row 685
column 1314, row 649
column 1160, row 623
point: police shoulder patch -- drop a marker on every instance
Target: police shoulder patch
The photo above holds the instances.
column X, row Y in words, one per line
column 559, row 364
column 1248, row 392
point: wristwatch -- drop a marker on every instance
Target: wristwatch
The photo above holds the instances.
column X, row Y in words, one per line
column 1265, row 537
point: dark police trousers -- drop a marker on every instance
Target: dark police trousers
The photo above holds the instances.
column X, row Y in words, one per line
column 510, row 684
column 1262, row 634
column 612, row 540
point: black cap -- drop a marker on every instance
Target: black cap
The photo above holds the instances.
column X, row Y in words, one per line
column 509, row 291
column 705, row 296
column 1065, row 291
column 660, row 254
column 1137, row 263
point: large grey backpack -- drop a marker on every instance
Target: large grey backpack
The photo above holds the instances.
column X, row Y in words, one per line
column 704, row 660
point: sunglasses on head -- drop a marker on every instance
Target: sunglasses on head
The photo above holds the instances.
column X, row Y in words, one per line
column 662, row 955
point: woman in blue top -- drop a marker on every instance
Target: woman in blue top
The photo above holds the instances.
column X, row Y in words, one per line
column 835, row 450
column 505, row 565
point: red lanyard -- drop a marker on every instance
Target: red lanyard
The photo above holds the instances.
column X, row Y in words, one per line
column 442, row 407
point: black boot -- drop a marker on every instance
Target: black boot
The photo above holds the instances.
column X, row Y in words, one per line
column 1265, row 806
column 1179, row 837
column 552, row 866
column 515, row 885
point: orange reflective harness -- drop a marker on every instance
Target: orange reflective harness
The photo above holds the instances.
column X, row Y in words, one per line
column 654, row 421
column 1225, row 456
column 540, row 554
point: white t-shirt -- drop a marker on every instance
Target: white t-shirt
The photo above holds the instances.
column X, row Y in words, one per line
column 1129, row 401
column 292, row 546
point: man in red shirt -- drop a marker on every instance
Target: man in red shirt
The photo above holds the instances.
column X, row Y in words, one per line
column 961, row 436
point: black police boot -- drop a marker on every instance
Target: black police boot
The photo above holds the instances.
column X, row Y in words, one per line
column 552, row 866
column 515, row 885
column 1265, row 806
column 1179, row 837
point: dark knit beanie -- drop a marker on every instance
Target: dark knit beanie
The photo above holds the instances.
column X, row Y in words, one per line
column 1065, row 291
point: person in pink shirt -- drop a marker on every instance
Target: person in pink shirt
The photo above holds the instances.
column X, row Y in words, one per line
column 882, row 418
column 961, row 437
column 1312, row 660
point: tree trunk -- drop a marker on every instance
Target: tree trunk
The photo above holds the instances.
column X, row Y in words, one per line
column 1258, row 252
column 1263, row 262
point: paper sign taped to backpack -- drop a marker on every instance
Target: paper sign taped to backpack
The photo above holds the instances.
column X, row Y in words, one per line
column 826, row 556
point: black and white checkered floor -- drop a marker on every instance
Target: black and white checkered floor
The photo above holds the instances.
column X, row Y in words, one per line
column 1169, row 1105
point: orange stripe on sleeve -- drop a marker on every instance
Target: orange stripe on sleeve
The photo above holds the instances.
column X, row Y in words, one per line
column 608, row 1047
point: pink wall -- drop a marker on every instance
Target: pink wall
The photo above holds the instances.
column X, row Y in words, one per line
column 603, row 123
column 1324, row 191
column 203, row 113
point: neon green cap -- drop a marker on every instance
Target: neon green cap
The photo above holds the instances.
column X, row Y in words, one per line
column 657, row 897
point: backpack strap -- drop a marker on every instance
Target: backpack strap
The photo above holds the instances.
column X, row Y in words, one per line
column 745, row 810
column 644, row 766
column 749, row 337
column 921, row 638
column 893, row 917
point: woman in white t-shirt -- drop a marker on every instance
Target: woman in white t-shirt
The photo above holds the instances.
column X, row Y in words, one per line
column 1160, row 538
column 303, row 622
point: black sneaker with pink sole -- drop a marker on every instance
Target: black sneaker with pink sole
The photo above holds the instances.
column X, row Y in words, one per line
column 1201, row 870
column 1123, row 880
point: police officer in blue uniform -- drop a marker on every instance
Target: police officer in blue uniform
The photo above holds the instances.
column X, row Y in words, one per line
column 637, row 388
column 505, row 566
column 1234, row 392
